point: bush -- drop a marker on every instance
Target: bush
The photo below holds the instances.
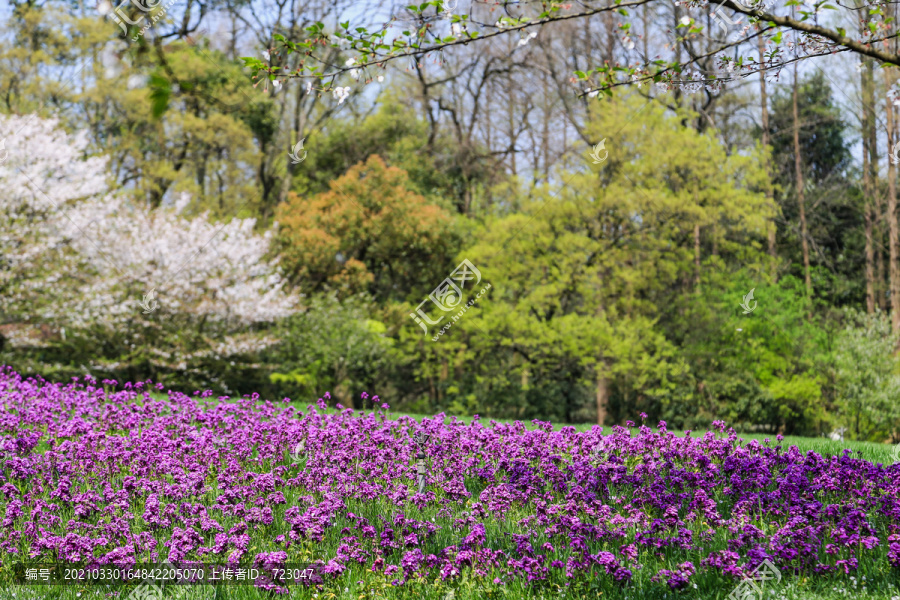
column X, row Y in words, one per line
column 868, row 376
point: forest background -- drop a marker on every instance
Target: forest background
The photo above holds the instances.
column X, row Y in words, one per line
column 689, row 251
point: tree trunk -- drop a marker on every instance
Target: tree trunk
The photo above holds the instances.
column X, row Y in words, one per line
column 545, row 130
column 880, row 287
column 298, row 126
column 764, row 105
column 894, row 264
column 877, row 201
column 870, row 252
column 511, row 122
column 676, row 93
column 342, row 391
column 697, row 257
column 602, row 394
column 868, row 176
column 801, row 200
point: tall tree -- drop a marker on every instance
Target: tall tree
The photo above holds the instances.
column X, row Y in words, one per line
column 870, row 172
column 810, row 155
column 801, row 191
column 764, row 110
column 370, row 232
column 893, row 233
column 585, row 283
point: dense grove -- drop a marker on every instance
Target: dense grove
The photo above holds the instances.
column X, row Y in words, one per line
column 107, row 473
column 172, row 218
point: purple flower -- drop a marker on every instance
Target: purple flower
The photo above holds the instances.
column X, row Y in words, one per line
column 208, row 479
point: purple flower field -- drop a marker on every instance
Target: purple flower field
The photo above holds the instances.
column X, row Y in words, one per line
column 103, row 473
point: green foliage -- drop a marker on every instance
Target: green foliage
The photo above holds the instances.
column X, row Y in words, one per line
column 370, row 232
column 868, row 376
column 581, row 276
column 332, row 346
column 823, row 151
column 179, row 352
column 193, row 128
column 764, row 369
column 403, row 141
column 834, row 202
column 593, row 280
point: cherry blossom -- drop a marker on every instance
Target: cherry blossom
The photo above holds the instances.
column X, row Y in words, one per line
column 527, row 38
column 60, row 219
column 341, row 93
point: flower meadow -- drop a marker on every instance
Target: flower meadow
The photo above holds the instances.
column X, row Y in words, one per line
column 95, row 473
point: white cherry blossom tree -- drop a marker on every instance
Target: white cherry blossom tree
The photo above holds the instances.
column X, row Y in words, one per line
column 76, row 255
